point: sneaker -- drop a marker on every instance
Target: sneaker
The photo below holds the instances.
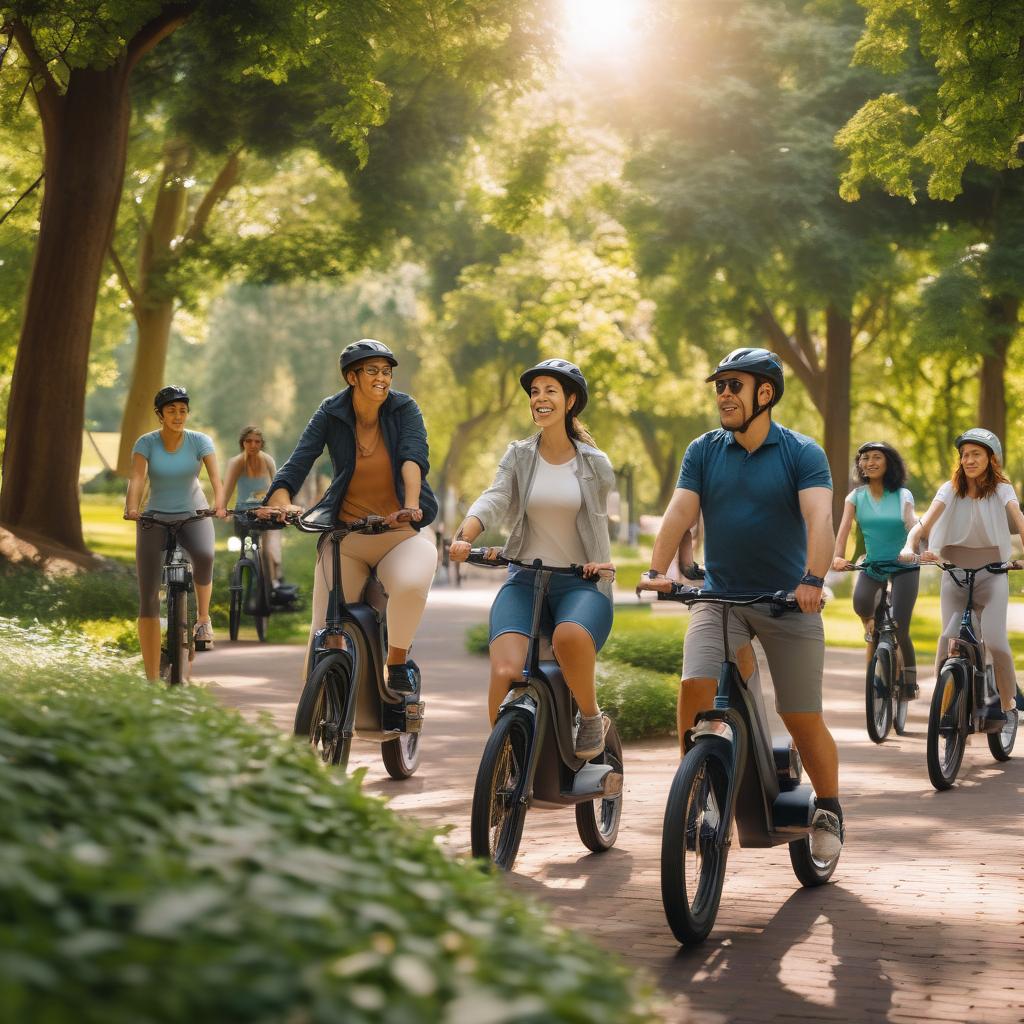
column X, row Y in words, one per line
column 993, row 718
column 203, row 635
column 827, row 835
column 590, row 736
column 401, row 679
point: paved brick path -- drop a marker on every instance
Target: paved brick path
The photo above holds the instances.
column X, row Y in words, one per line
column 924, row 921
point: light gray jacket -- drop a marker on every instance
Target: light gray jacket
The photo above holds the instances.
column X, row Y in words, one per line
column 505, row 500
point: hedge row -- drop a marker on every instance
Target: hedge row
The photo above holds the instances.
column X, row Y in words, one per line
column 163, row 860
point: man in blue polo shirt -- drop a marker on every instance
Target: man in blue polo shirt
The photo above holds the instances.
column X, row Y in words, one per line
column 766, row 496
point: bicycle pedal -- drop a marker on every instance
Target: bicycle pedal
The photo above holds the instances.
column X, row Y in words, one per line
column 414, row 712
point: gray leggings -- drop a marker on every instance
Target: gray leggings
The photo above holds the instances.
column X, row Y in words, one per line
column 197, row 540
column 902, row 597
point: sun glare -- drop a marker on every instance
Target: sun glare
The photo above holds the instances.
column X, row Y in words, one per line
column 598, row 28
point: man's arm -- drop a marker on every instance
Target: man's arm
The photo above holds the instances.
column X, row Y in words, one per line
column 816, row 508
column 681, row 514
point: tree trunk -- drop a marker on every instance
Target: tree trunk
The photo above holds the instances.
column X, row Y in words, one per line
column 1002, row 315
column 152, row 305
column 836, row 411
column 86, row 140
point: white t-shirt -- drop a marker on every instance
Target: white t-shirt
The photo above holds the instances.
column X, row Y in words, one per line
column 973, row 522
column 551, row 508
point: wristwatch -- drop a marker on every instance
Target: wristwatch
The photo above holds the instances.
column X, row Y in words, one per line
column 653, row 574
column 811, row 580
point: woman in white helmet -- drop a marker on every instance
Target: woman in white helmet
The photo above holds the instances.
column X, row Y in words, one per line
column 968, row 524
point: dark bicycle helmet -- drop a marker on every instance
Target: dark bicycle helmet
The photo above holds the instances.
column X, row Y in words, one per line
column 365, row 348
column 568, row 373
column 764, row 365
column 876, row 446
column 171, row 393
column 979, row 435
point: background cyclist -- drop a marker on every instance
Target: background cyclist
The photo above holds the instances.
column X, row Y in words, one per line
column 378, row 448
column 552, row 488
column 968, row 525
column 171, row 458
column 884, row 510
column 766, row 495
column 251, row 472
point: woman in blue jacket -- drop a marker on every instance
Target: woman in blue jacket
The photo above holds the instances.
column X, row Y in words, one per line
column 378, row 448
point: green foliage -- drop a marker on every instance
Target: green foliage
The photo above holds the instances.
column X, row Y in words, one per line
column 161, row 859
column 961, row 105
column 651, row 649
column 28, row 594
column 643, row 703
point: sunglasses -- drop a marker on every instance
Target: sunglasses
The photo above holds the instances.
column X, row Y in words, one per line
column 734, row 384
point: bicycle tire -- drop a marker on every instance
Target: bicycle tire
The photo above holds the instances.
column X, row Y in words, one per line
column 1000, row 744
column 499, row 794
column 597, row 821
column 235, row 602
column 878, row 694
column 175, row 625
column 321, row 712
column 261, row 618
column 901, row 703
column 696, row 824
column 401, row 756
column 809, row 871
column 945, row 747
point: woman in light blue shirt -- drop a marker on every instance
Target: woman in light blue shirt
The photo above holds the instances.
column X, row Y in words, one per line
column 171, row 458
column 884, row 510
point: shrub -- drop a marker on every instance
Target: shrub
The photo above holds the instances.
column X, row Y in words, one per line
column 476, row 638
column 163, row 860
column 657, row 651
column 643, row 703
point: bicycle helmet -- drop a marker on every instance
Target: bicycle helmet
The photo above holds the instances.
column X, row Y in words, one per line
column 365, row 348
column 568, row 373
column 764, row 365
column 876, row 446
column 171, row 393
column 979, row 435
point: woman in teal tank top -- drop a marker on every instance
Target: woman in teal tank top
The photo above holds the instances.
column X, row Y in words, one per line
column 884, row 510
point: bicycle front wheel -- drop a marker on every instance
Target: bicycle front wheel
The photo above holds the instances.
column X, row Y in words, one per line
column 947, row 726
column 694, row 841
column 177, row 637
column 499, row 796
column 322, row 709
column 878, row 693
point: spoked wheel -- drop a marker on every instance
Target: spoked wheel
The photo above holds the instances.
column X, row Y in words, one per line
column 947, row 726
column 402, row 755
column 1001, row 743
column 499, row 796
column 808, row 869
column 901, row 702
column 175, row 656
column 597, row 821
column 320, row 715
column 694, row 841
column 878, row 693
column 235, row 611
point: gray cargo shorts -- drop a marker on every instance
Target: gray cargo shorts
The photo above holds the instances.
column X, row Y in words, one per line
column 794, row 645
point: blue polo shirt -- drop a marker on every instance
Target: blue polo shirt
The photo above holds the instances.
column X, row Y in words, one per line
column 755, row 538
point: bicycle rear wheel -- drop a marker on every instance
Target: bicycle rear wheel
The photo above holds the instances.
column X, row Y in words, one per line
column 499, row 796
column 401, row 756
column 947, row 726
column 694, row 841
column 878, row 693
column 322, row 709
column 597, row 821
column 808, row 870
column 1001, row 743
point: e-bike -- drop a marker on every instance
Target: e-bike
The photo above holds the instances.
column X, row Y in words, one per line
column 965, row 694
column 530, row 761
column 732, row 770
column 250, row 589
column 346, row 695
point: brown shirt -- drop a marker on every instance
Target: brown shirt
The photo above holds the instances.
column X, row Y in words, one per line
column 371, row 491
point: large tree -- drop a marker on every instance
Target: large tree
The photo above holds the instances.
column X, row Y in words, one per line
column 78, row 63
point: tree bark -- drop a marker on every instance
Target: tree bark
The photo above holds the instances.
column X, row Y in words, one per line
column 836, row 411
column 1002, row 313
column 86, row 132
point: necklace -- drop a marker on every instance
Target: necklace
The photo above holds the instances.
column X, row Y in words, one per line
column 366, row 450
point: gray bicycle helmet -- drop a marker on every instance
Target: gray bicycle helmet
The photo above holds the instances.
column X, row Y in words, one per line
column 365, row 348
column 171, row 393
column 979, row 435
column 568, row 373
column 764, row 365
column 877, row 446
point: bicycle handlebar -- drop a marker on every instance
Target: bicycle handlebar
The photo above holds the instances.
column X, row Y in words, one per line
column 477, row 556
column 149, row 520
column 693, row 595
column 368, row 524
column 892, row 567
column 246, row 517
column 992, row 567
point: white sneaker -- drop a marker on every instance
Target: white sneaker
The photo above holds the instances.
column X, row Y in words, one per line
column 827, row 834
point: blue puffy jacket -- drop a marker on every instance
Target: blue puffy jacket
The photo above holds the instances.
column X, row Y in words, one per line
column 333, row 426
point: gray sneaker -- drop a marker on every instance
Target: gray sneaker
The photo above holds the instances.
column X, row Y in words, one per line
column 203, row 636
column 590, row 736
column 827, row 835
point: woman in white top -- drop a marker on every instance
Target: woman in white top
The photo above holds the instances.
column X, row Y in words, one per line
column 553, row 489
column 251, row 472
column 968, row 525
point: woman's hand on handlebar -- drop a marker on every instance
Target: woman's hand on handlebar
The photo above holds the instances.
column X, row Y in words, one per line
column 458, row 550
column 593, row 570
column 132, row 514
column 841, row 564
column 277, row 512
column 221, row 512
column 404, row 515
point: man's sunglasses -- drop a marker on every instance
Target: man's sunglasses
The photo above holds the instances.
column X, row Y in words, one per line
column 734, row 384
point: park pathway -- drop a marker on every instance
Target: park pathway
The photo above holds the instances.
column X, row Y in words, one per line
column 924, row 921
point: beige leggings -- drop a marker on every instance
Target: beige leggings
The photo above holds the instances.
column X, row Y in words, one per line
column 405, row 562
